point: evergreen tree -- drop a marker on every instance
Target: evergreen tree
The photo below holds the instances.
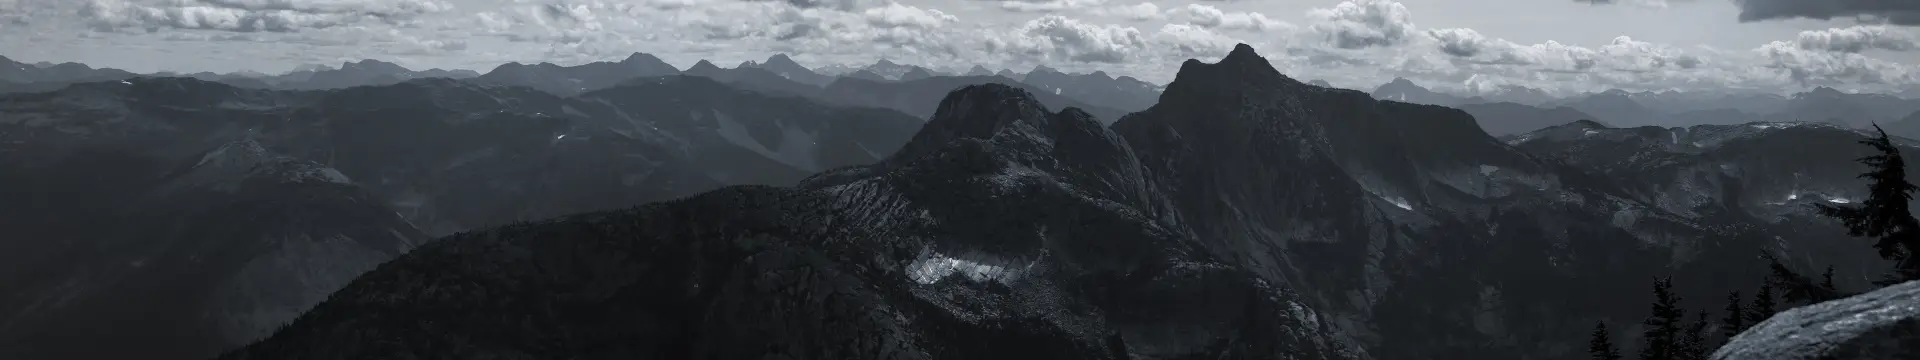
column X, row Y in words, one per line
column 1793, row 287
column 1661, row 339
column 1601, row 346
column 1693, row 342
column 1735, row 322
column 1884, row 214
column 1827, row 281
column 1762, row 308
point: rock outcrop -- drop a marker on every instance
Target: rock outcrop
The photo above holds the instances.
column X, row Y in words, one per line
column 1879, row 325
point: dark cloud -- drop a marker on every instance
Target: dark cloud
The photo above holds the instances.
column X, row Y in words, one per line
column 1897, row 12
column 1900, row 12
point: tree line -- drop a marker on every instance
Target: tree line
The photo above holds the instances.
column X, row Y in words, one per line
column 1668, row 332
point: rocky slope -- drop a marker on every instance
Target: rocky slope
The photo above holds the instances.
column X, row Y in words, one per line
column 1883, row 324
column 1768, row 173
column 322, row 185
column 1003, row 230
column 175, row 257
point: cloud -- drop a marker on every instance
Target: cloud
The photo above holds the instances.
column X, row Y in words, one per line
column 1212, row 17
column 1641, row 3
column 1622, row 54
column 1063, row 38
column 896, row 15
column 1144, row 11
column 1355, row 24
column 1896, row 12
column 1810, row 67
column 1902, row 12
column 843, row 5
column 1857, row 38
column 1047, row 5
column 250, row 15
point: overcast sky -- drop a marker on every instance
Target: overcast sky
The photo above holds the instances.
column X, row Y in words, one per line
column 1558, row 45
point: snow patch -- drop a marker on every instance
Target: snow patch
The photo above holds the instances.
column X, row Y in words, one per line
column 1398, row 201
column 1488, row 170
column 1590, row 132
column 1840, row 201
column 126, row 82
column 932, row 269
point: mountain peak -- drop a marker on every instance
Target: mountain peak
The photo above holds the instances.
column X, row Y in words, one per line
column 1242, row 52
column 973, row 112
column 640, row 56
column 884, row 62
column 1587, row 124
column 781, row 61
column 1242, row 66
column 375, row 66
column 703, row 65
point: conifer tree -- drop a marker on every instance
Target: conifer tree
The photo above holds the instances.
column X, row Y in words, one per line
column 1601, row 346
column 1693, row 341
column 1884, row 214
column 1827, row 281
column 1735, row 321
column 1762, row 308
column 1794, row 288
column 1661, row 339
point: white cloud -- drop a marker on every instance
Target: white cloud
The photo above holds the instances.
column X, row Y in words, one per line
column 1048, row 5
column 1858, row 38
column 1212, row 17
column 1144, row 11
column 896, row 15
column 1354, row 24
column 250, row 15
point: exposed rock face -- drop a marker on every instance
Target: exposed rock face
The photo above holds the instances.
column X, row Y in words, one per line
column 1002, row 231
column 1879, row 325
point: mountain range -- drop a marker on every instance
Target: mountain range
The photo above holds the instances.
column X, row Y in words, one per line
column 603, row 210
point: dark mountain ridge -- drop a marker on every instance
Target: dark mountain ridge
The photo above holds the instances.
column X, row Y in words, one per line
column 951, row 275
column 329, row 183
column 1346, row 227
column 918, row 97
column 1243, row 215
column 572, row 80
column 1097, row 88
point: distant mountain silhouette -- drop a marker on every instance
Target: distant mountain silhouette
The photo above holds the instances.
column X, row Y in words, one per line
column 571, row 80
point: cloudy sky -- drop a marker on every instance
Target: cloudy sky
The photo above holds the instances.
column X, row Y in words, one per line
column 1557, row 45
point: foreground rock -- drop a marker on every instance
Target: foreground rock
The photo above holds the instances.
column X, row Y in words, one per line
column 1883, row 324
